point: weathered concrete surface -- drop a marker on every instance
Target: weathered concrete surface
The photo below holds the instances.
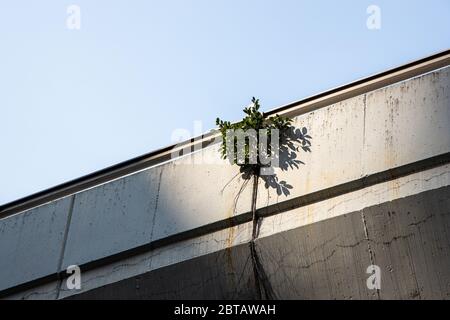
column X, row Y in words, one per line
column 325, row 260
column 409, row 185
column 178, row 252
column 409, row 238
column 195, row 192
column 226, row 274
column 337, row 135
column 112, row 217
column 407, row 122
column 311, row 215
column 153, row 204
column 31, row 243
column 48, row 291
column 383, row 129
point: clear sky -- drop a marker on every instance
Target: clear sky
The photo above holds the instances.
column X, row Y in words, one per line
column 76, row 101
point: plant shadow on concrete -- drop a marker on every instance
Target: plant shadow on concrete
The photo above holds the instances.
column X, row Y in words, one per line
column 291, row 141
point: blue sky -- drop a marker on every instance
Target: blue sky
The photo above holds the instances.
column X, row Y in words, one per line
column 76, row 101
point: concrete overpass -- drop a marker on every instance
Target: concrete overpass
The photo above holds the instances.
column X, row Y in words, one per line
column 375, row 190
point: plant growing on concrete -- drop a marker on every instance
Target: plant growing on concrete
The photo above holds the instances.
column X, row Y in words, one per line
column 255, row 120
column 248, row 154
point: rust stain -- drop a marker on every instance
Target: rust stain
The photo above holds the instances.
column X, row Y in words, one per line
column 390, row 157
column 229, row 244
column 230, row 241
column 310, row 217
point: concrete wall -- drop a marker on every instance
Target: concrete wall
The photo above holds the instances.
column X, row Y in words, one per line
column 325, row 260
column 31, row 243
column 317, row 249
column 370, row 133
column 151, row 205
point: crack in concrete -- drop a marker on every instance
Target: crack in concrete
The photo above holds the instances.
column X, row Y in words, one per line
column 28, row 295
column 421, row 221
column 371, row 255
column 388, row 243
column 156, row 203
column 351, row 245
column 63, row 247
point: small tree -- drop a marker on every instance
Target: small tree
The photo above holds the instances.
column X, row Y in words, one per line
column 254, row 120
